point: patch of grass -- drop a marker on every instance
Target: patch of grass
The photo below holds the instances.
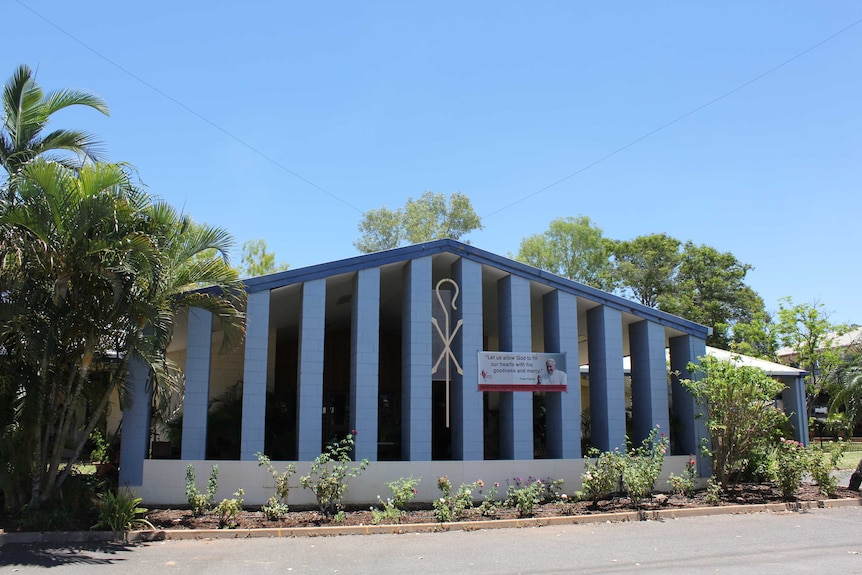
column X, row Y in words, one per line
column 849, row 460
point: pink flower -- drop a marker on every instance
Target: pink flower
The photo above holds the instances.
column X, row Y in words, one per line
column 354, row 432
column 496, row 484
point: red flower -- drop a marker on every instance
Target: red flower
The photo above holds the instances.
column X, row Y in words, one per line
column 354, row 432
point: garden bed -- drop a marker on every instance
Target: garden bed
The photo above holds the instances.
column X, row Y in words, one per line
column 744, row 494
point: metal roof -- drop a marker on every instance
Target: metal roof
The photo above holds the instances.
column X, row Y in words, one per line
column 480, row 256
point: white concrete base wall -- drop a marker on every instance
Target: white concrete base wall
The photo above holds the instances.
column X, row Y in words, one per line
column 165, row 480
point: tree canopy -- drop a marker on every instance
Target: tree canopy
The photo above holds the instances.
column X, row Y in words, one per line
column 428, row 217
column 574, row 248
column 27, row 110
column 805, row 328
column 696, row 282
column 647, row 266
column 710, row 289
column 257, row 260
column 93, row 273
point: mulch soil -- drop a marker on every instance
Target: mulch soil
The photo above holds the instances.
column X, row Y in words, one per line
column 253, row 518
column 744, row 494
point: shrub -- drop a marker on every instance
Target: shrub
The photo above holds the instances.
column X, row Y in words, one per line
column 565, row 505
column 684, row 484
column 228, row 510
column 821, row 472
column 741, row 415
column 641, row 466
column 602, row 474
column 823, row 462
column 792, row 460
column 198, row 502
column 490, row 505
column 403, row 491
column 451, row 507
column 330, row 473
column 119, row 511
column 277, row 505
column 713, row 491
column 525, row 496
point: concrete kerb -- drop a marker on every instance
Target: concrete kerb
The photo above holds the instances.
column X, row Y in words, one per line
column 654, row 515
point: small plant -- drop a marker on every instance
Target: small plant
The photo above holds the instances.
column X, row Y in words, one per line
column 403, row 491
column 792, row 460
column 821, row 472
column 643, row 465
column 524, row 496
column 101, row 447
column 822, row 462
column 451, row 507
column 330, row 473
column 119, row 511
column 490, row 505
column 684, row 484
column 277, row 505
column 565, row 505
column 198, row 502
column 228, row 511
column 713, row 491
column 602, row 474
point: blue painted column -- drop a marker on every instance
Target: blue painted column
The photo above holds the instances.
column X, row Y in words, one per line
column 254, row 375
column 134, row 442
column 563, row 409
column 309, row 407
column 689, row 414
column 467, row 411
column 796, row 410
column 416, row 333
column 649, row 380
column 516, row 408
column 365, row 361
column 607, row 378
column 197, row 394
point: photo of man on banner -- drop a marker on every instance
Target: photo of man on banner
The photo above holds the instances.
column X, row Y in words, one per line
column 522, row 371
column 552, row 375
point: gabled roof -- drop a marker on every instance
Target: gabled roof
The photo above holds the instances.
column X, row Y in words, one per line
column 833, row 340
column 480, row 256
column 770, row 368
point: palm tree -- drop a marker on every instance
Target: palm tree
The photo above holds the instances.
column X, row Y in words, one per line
column 26, row 112
column 93, row 273
column 844, row 385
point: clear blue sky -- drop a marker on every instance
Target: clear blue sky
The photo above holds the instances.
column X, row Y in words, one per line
column 377, row 101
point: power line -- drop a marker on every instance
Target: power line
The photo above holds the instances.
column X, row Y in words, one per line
column 191, row 111
column 675, row 120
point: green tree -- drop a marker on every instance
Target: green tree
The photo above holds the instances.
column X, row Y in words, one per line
column 428, row 217
column 574, row 248
column 647, row 266
column 741, row 418
column 27, row 109
column 93, row 272
column 711, row 290
column 843, row 382
column 257, row 260
column 757, row 337
column 805, row 329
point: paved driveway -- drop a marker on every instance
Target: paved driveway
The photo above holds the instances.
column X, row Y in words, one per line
column 821, row 541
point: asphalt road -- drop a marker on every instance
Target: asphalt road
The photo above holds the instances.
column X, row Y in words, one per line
column 822, row 541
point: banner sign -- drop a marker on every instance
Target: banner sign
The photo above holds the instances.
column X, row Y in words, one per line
column 513, row 371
